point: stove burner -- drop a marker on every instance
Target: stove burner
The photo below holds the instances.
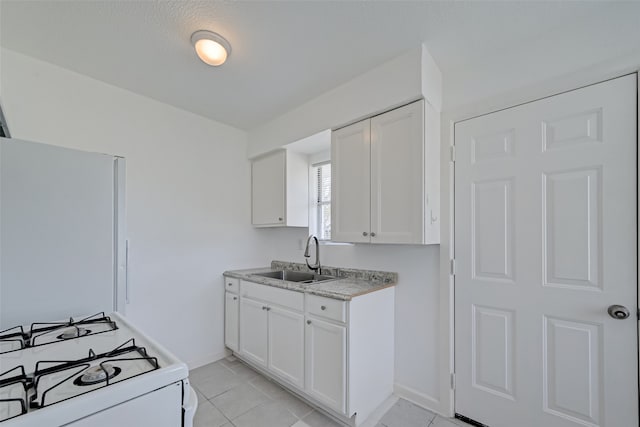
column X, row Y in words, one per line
column 73, row 332
column 97, row 374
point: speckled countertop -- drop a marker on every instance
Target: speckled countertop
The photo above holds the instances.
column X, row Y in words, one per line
column 350, row 283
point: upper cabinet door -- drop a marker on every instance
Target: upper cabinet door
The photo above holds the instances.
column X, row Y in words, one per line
column 268, row 189
column 350, row 169
column 397, row 175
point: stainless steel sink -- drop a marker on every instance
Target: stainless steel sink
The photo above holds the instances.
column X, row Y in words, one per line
column 296, row 276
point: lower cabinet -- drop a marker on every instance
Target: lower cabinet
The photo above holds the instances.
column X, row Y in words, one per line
column 326, row 356
column 339, row 354
column 231, row 317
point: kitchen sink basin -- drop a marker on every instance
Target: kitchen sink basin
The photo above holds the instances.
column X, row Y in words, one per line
column 296, row 276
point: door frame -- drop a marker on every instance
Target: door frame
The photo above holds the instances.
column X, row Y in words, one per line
column 447, row 247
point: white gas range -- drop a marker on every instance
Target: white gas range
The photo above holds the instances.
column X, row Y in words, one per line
column 98, row 371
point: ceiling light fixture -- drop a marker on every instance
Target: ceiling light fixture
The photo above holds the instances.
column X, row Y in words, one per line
column 212, row 48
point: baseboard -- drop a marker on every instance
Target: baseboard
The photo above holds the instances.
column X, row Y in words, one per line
column 420, row 399
column 379, row 412
column 208, row 359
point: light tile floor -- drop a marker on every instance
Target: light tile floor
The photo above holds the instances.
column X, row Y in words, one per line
column 232, row 394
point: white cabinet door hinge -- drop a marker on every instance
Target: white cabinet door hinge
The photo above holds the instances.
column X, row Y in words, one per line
column 452, row 153
column 452, row 267
column 453, row 381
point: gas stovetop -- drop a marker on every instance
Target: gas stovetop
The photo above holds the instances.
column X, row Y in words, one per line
column 61, row 363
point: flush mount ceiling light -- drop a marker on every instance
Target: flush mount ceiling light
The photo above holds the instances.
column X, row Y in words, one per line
column 212, row 48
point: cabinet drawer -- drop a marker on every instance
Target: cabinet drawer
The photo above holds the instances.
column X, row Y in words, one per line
column 232, row 284
column 290, row 299
column 327, row 307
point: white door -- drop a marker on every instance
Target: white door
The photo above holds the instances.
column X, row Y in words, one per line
column 350, row 183
column 286, row 345
column 545, row 242
column 267, row 189
column 253, row 330
column 326, row 363
column 231, row 312
column 397, row 178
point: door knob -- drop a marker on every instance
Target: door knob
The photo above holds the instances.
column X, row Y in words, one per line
column 618, row 311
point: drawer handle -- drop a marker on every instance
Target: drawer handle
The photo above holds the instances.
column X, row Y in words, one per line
column 323, row 307
column 308, row 322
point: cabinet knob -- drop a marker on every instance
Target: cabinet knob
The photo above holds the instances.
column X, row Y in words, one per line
column 235, row 298
column 279, row 218
column 323, row 307
column 229, row 284
column 268, row 308
column 264, row 307
column 308, row 322
column 364, row 233
column 373, row 234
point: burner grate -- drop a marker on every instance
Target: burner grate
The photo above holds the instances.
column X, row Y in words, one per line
column 13, row 393
column 12, row 339
column 16, row 338
column 46, row 333
column 57, row 381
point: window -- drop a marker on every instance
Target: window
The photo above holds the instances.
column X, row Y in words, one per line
column 321, row 203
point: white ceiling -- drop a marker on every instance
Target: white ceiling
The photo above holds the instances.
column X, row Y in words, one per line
column 284, row 53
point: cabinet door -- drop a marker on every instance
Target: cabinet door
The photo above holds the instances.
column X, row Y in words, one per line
column 253, row 330
column 326, row 363
column 350, row 183
column 397, row 175
column 286, row 345
column 231, row 311
column 268, row 189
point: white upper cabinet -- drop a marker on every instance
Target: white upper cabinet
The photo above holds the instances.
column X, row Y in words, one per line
column 378, row 181
column 280, row 190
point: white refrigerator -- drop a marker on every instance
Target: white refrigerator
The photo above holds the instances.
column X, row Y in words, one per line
column 62, row 236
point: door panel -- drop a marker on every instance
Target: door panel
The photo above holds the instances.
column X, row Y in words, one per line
column 571, row 221
column 572, row 370
column 231, row 313
column 253, row 330
column 286, row 345
column 326, row 363
column 268, row 189
column 350, row 183
column 545, row 241
column 492, row 213
column 493, row 350
column 397, row 175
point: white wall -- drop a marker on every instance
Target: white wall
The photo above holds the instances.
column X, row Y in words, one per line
column 393, row 83
column 417, row 294
column 188, row 193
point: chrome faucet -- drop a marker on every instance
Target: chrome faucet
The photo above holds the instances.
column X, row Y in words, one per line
column 316, row 266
